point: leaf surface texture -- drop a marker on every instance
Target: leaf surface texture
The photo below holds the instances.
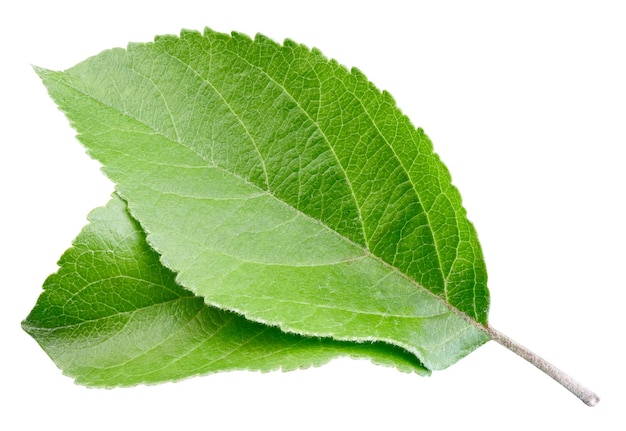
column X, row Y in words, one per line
column 114, row 316
column 277, row 184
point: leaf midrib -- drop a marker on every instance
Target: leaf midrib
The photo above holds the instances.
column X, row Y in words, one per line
column 214, row 165
column 444, row 277
column 323, row 134
column 26, row 324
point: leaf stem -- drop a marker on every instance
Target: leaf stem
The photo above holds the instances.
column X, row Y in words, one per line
column 584, row 394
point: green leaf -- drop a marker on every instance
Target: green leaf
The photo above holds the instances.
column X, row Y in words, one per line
column 114, row 316
column 277, row 184
column 304, row 211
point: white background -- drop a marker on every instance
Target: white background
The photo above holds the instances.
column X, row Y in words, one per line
column 525, row 103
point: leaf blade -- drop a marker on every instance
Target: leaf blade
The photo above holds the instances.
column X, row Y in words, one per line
column 113, row 316
column 322, row 167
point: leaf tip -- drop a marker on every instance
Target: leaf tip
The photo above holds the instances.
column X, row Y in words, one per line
column 40, row 71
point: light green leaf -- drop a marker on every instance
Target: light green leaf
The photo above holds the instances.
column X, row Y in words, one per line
column 277, row 184
column 285, row 192
column 114, row 316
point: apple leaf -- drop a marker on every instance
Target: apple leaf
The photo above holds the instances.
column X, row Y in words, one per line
column 114, row 316
column 284, row 196
column 277, row 184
